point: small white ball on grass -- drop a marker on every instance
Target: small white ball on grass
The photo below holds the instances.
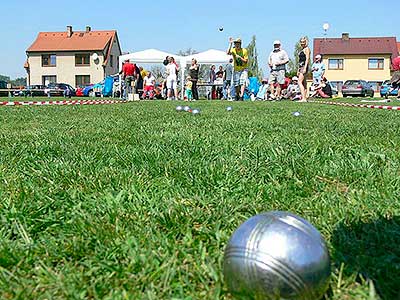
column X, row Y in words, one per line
column 179, row 108
column 229, row 108
column 296, row 114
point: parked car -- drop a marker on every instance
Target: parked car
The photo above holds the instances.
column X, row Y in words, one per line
column 357, row 88
column 85, row 91
column 59, row 89
column 35, row 90
column 386, row 89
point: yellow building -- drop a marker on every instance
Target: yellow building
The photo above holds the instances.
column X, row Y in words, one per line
column 348, row 58
column 76, row 58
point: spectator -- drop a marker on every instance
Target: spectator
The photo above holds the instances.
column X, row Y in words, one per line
column 138, row 80
column 143, row 72
column 172, row 68
column 149, row 82
column 318, row 70
column 194, row 77
column 263, row 90
column 212, row 76
column 294, row 90
column 188, row 89
column 304, row 61
column 277, row 61
column 227, row 80
column 220, row 80
column 395, row 80
column 220, row 72
column 240, row 61
column 128, row 70
column 323, row 89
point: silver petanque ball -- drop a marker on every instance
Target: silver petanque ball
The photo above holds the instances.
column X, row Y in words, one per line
column 229, row 108
column 186, row 108
column 296, row 114
column 179, row 108
column 277, row 255
column 196, row 111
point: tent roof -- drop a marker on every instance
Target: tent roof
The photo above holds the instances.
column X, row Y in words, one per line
column 210, row 56
column 148, row 56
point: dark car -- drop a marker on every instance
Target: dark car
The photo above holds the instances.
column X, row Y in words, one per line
column 357, row 88
column 35, row 90
column 3, row 85
column 387, row 90
column 59, row 89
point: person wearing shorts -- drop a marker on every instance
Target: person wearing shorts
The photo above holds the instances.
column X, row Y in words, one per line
column 240, row 65
column 172, row 68
column 277, row 61
column 395, row 81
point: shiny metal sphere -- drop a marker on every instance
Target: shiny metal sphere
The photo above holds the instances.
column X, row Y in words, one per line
column 196, row 111
column 186, row 108
column 179, row 108
column 229, row 108
column 277, row 255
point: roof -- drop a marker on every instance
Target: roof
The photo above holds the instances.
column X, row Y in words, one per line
column 210, row 56
column 368, row 45
column 147, row 56
column 398, row 47
column 79, row 41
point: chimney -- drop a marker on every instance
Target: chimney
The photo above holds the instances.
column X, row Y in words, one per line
column 88, row 29
column 69, row 31
column 345, row 36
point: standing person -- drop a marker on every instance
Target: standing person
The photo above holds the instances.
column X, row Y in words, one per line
column 227, row 80
column 128, row 70
column 395, row 80
column 172, row 69
column 304, row 61
column 240, row 61
column 211, row 78
column 194, row 77
column 318, row 70
column 277, row 61
column 188, row 89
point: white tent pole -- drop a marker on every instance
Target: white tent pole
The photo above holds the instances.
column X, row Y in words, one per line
column 183, row 68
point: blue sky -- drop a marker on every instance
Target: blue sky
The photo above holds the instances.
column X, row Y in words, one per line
column 177, row 25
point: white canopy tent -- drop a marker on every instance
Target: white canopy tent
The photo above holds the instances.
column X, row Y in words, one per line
column 210, row 56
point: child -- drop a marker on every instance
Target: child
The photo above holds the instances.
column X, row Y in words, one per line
column 188, row 89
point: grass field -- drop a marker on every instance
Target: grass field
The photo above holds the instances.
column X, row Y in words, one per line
column 137, row 201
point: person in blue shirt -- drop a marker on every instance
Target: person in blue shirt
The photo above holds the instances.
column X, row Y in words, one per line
column 318, row 70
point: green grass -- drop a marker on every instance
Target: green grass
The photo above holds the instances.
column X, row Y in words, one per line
column 137, row 201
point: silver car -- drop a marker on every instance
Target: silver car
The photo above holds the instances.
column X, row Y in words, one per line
column 357, row 88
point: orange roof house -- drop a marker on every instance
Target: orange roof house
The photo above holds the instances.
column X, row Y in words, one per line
column 73, row 57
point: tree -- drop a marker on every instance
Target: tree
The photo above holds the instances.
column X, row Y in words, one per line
column 4, row 78
column 254, row 70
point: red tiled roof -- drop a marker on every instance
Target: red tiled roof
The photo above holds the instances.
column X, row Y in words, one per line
column 79, row 41
column 372, row 45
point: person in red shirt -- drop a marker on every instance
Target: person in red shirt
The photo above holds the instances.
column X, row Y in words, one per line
column 128, row 70
column 395, row 81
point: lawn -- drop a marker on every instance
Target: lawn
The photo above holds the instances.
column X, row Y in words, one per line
column 137, row 201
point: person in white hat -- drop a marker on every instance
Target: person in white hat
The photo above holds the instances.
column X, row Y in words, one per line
column 277, row 61
column 240, row 63
column 293, row 90
column 318, row 70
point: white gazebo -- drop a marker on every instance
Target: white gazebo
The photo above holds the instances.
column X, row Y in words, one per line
column 155, row 56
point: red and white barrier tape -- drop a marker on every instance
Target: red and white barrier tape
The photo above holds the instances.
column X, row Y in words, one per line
column 75, row 102
column 357, row 105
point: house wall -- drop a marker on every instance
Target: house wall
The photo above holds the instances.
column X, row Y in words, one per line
column 356, row 67
column 115, row 52
column 65, row 68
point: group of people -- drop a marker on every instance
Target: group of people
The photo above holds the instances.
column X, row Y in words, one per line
column 237, row 75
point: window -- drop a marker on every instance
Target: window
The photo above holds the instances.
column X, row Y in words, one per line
column 111, row 61
column 375, row 63
column 48, row 60
column 47, row 79
column 82, row 80
column 335, row 64
column 82, row 59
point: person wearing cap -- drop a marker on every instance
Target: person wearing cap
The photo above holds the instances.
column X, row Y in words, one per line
column 293, row 90
column 304, row 61
column 240, row 63
column 277, row 61
column 318, row 70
